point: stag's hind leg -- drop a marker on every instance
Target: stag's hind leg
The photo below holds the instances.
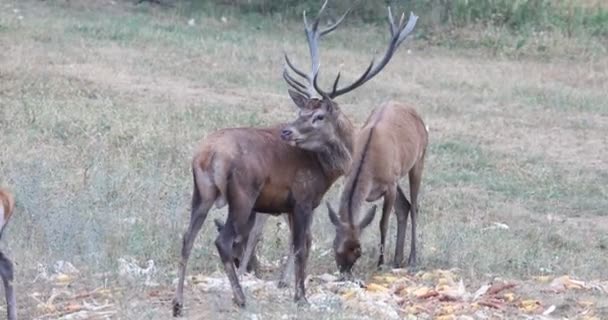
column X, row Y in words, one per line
column 387, row 207
column 6, row 271
column 402, row 209
column 202, row 200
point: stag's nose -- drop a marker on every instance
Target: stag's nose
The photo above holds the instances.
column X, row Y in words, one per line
column 286, row 134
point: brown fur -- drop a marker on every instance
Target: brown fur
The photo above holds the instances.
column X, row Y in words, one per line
column 391, row 144
column 7, row 201
column 258, row 170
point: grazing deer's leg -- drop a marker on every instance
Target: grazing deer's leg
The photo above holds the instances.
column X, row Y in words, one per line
column 288, row 268
column 200, row 208
column 301, row 237
column 387, row 207
column 252, row 241
column 402, row 209
column 415, row 176
column 6, row 271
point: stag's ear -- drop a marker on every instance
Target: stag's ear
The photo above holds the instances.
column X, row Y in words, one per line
column 218, row 224
column 333, row 217
column 369, row 217
column 299, row 99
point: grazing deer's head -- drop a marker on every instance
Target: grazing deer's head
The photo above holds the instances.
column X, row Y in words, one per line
column 347, row 247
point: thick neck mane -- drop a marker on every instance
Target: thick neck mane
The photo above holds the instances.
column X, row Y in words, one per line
column 336, row 159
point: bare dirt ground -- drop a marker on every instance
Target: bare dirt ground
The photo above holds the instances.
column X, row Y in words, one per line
column 102, row 104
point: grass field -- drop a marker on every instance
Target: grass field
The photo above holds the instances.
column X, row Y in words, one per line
column 103, row 103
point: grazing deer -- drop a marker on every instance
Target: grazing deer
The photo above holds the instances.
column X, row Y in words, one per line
column 391, row 144
column 254, row 170
column 7, row 204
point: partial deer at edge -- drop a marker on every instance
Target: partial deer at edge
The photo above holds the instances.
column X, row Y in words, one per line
column 7, row 205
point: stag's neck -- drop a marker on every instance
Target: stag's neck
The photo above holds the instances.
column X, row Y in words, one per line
column 336, row 158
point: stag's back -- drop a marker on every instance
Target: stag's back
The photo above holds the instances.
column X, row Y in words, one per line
column 7, row 204
column 399, row 138
column 390, row 143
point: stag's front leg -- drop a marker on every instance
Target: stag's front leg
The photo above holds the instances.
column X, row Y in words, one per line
column 288, row 268
column 301, row 241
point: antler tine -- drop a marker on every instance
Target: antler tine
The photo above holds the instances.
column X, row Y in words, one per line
column 336, row 24
column 313, row 34
column 294, row 84
column 398, row 35
column 296, row 70
column 391, row 22
column 409, row 27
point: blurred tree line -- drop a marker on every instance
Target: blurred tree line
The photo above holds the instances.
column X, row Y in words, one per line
column 569, row 16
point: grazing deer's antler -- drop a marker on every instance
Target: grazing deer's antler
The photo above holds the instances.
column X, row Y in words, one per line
column 398, row 34
column 313, row 34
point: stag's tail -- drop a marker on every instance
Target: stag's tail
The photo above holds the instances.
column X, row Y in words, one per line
column 210, row 179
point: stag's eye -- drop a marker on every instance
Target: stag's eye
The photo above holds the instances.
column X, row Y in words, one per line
column 318, row 117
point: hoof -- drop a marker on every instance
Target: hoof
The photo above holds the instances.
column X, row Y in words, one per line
column 346, row 276
column 239, row 301
column 302, row 302
column 177, row 308
column 411, row 263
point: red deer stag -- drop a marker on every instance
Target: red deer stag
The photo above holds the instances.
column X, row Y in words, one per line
column 254, row 170
column 7, row 204
column 391, row 144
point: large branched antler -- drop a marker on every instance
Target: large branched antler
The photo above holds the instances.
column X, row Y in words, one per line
column 313, row 34
column 398, row 34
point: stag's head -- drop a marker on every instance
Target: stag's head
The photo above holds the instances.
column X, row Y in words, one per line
column 317, row 123
column 347, row 244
